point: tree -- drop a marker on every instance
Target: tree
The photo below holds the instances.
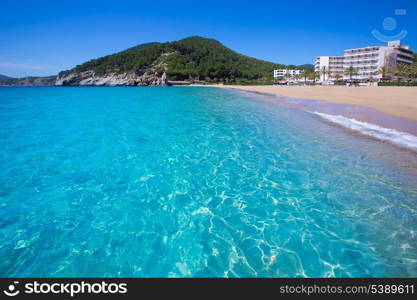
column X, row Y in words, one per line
column 409, row 70
column 405, row 70
column 323, row 73
column 297, row 77
column 315, row 75
column 337, row 76
column 329, row 75
column 351, row 71
column 306, row 75
column 384, row 71
column 402, row 70
column 413, row 70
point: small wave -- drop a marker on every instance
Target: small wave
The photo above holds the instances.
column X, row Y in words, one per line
column 393, row 136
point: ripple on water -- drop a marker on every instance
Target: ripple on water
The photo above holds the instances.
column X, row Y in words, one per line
column 195, row 182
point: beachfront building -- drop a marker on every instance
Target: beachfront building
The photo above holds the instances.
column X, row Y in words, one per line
column 285, row 73
column 368, row 61
column 365, row 63
column 329, row 67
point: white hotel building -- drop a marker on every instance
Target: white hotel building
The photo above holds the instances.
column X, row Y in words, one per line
column 366, row 61
column 282, row 73
column 332, row 64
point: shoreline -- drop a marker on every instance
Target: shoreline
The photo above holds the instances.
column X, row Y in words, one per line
column 367, row 121
column 403, row 116
column 396, row 101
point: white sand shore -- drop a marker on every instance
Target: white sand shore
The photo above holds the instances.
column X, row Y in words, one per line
column 396, row 101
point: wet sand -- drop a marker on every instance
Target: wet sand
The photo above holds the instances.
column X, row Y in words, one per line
column 398, row 102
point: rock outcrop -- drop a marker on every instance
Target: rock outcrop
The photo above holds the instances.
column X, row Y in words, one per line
column 90, row 78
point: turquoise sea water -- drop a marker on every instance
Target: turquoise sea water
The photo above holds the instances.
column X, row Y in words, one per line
column 200, row 182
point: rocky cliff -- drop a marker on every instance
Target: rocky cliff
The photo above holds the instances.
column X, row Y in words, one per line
column 90, row 78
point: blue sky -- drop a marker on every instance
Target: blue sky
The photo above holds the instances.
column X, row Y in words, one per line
column 44, row 37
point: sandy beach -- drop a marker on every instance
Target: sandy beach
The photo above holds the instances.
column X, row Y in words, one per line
column 395, row 101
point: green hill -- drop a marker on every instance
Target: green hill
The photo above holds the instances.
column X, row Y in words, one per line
column 191, row 58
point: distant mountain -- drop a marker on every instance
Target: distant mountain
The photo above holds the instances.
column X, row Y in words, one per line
column 4, row 77
column 308, row 67
column 27, row 81
column 194, row 58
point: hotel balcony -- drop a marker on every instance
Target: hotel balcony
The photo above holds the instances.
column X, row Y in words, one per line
column 404, row 60
column 361, row 57
column 406, row 51
column 360, row 50
column 362, row 61
column 360, row 65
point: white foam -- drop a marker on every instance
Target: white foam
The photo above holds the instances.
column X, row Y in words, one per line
column 393, row 136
